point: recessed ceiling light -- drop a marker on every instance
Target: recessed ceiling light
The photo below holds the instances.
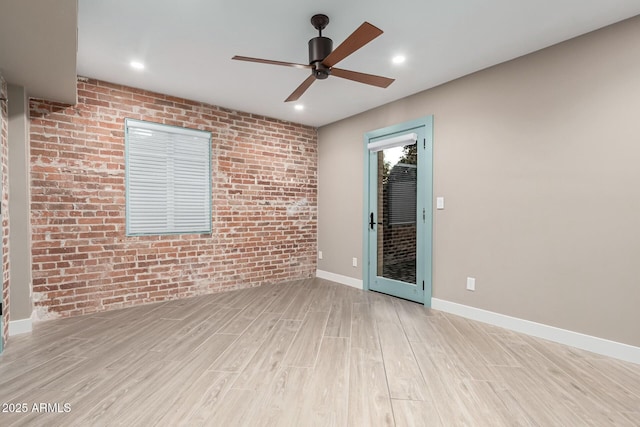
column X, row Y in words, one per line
column 299, row 107
column 136, row 65
column 398, row 59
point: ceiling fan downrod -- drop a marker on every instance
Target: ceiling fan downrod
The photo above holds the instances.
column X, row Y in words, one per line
column 320, row 47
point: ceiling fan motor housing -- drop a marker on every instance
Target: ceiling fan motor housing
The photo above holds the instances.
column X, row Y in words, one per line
column 319, row 49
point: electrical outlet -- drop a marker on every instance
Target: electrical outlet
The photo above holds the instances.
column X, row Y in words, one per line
column 354, row 262
column 319, row 254
column 471, row 283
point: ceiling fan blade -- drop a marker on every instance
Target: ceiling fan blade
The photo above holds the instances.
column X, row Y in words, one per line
column 268, row 61
column 368, row 79
column 301, row 89
column 360, row 37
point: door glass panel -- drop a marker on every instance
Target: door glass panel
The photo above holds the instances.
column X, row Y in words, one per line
column 396, row 230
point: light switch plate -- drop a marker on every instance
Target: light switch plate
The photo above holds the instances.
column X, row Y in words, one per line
column 471, row 283
column 439, row 202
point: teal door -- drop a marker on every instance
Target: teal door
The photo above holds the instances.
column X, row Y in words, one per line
column 399, row 210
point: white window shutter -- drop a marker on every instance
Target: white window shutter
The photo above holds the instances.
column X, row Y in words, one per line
column 168, row 172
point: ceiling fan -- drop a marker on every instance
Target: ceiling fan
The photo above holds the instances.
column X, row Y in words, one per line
column 322, row 57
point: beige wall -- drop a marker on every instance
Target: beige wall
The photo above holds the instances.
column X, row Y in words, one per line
column 4, row 214
column 340, row 197
column 20, row 237
column 539, row 163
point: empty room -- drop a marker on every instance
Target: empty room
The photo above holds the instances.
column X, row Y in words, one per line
column 294, row 213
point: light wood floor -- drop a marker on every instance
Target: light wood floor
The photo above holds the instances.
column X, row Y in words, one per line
column 303, row 354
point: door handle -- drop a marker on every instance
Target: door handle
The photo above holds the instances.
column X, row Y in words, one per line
column 371, row 223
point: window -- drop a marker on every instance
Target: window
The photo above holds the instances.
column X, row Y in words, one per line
column 168, row 176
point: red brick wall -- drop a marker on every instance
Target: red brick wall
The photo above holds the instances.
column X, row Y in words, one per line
column 4, row 199
column 400, row 244
column 264, row 204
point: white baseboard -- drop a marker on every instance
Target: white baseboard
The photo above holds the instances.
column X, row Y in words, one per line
column 17, row 327
column 339, row 278
column 590, row 343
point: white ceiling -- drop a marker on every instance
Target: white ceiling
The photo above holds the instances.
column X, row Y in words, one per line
column 187, row 46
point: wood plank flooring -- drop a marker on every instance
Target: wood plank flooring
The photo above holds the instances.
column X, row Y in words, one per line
column 305, row 353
